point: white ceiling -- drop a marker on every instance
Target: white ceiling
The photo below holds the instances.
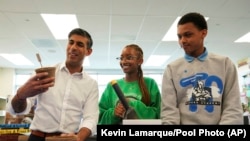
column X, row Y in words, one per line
column 116, row 23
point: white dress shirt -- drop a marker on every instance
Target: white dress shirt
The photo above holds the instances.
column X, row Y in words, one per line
column 72, row 103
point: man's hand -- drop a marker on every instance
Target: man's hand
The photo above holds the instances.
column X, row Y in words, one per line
column 83, row 134
column 35, row 85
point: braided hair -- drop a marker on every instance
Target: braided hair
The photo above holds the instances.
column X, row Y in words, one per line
column 142, row 85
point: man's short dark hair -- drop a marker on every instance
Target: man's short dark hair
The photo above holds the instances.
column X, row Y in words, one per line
column 196, row 18
column 82, row 32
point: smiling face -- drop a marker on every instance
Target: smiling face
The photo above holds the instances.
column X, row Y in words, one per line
column 130, row 60
column 77, row 49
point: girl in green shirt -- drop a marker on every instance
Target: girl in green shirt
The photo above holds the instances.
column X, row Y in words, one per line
column 142, row 93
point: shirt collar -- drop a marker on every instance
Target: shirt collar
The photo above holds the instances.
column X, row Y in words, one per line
column 202, row 57
column 63, row 67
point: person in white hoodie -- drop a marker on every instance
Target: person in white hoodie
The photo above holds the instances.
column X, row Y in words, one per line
column 201, row 87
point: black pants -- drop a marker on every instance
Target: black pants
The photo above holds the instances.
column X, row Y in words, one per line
column 35, row 138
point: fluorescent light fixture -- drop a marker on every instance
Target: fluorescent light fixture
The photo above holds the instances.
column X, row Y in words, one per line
column 86, row 61
column 156, row 60
column 60, row 24
column 171, row 35
column 17, row 59
column 244, row 39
